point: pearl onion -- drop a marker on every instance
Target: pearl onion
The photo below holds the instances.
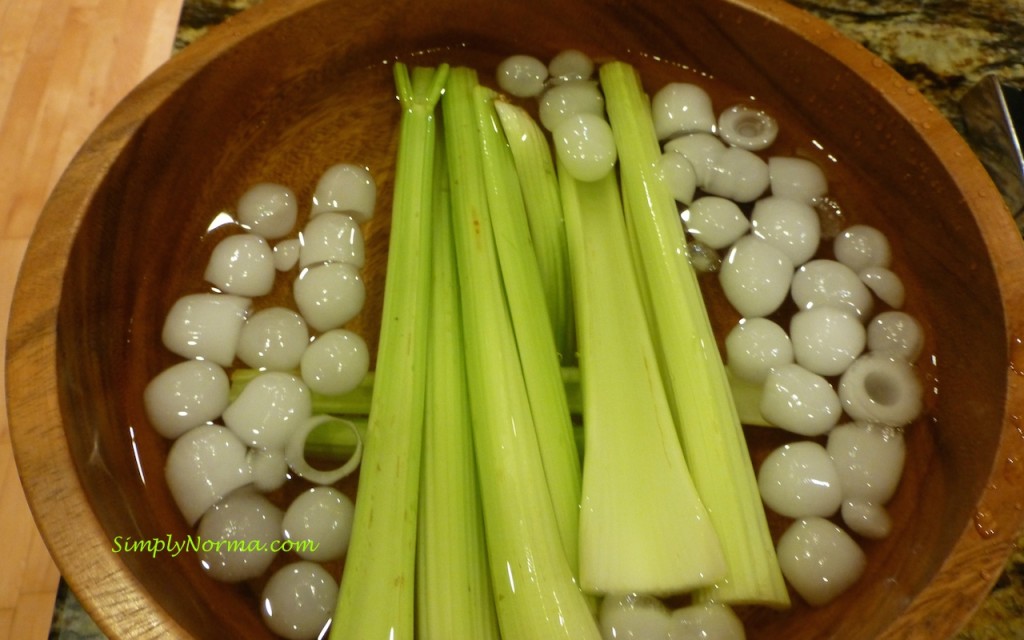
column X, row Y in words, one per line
column 702, row 150
column 206, row 326
column 298, row 601
column 826, row 340
column 755, row 277
column 286, row 254
column 737, row 174
column 867, row 519
column 346, row 188
column 186, row 395
column 869, row 459
column 799, row 480
column 679, row 108
column 755, row 346
column 705, row 620
column 633, row 616
column 335, row 362
column 204, row 465
column 268, row 409
column 242, row 264
column 269, row 469
column 819, row 560
column 862, row 246
column 897, row 333
column 273, row 339
column 677, row 172
column 792, row 226
column 522, row 76
column 268, row 209
column 331, row 237
column 797, row 179
column 322, row 516
column 799, row 401
column 747, row 127
column 885, row 284
column 569, row 65
column 242, row 518
column 880, row 388
column 329, row 295
column 585, row 145
column 564, row 100
column 716, row 222
column 830, row 283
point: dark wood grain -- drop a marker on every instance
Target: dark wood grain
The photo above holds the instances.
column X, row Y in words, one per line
column 286, row 89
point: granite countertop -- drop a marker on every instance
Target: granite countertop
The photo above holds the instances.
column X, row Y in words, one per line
column 943, row 47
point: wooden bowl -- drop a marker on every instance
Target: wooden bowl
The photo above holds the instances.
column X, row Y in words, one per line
column 288, row 88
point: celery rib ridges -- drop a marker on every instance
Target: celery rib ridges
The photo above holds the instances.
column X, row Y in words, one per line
column 376, row 600
column 535, row 593
column 643, row 528
column 453, row 588
column 695, row 376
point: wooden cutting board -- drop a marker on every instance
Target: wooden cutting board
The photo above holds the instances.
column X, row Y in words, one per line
column 63, row 65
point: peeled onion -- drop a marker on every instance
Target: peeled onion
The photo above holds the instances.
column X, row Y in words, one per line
column 346, row 188
column 322, row 516
column 885, row 284
column 702, row 150
column 755, row 346
column 273, row 339
column 755, row 277
column 819, row 560
column 242, row 264
column 799, row 480
column 298, row 601
column 268, row 209
column 880, row 388
column 830, row 283
column 705, row 621
column 680, row 108
column 633, row 616
column 717, row 222
column 230, row 531
column 269, row 469
column 797, row 179
column 677, row 173
column 329, row 295
column 269, row 409
column 869, row 459
column 331, row 237
column 737, row 174
column 335, row 362
column 585, row 145
column 569, row 65
column 867, row 519
column 792, row 226
column 204, row 465
column 747, row 127
column 186, row 395
column 861, row 246
column 567, row 99
column 206, row 326
column 896, row 333
column 799, row 401
column 522, row 76
column 826, row 340
column 286, row 254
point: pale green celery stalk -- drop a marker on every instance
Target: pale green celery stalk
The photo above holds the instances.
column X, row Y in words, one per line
column 524, row 290
column 696, row 380
column 531, row 152
column 535, row 592
column 377, row 591
column 453, row 588
column 643, row 528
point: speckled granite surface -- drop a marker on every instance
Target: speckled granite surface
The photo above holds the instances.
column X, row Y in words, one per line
column 943, row 46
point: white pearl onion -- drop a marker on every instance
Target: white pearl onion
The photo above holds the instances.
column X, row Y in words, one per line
column 799, row 401
column 346, row 188
column 705, row 621
column 567, row 99
column 204, row 465
column 755, row 346
column 861, row 246
column 866, row 519
column 522, row 76
column 286, row 254
column 241, row 518
column 331, row 237
column 829, row 283
column 869, row 459
column 335, row 362
column 885, row 284
column 323, row 516
column 569, row 65
column 269, row 469
column 268, row 209
column 298, row 601
column 797, row 179
column 329, row 295
column 585, row 145
column 747, row 127
column 702, row 150
column 826, row 340
column 677, row 172
column 819, row 560
column 790, row 225
column 717, row 222
column 755, row 277
column 679, row 108
column 186, row 395
column 798, row 480
column 242, row 264
column 273, row 339
column 206, row 326
column 268, row 410
column 737, row 174
column 880, row 388
column 633, row 616
column 896, row 333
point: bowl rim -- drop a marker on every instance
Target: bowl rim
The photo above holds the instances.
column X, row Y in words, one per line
column 119, row 603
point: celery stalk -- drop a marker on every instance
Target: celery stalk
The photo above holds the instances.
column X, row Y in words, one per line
column 643, row 528
column 377, row 590
column 453, row 589
column 535, row 592
column 698, row 387
column 531, row 153
column 524, row 289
